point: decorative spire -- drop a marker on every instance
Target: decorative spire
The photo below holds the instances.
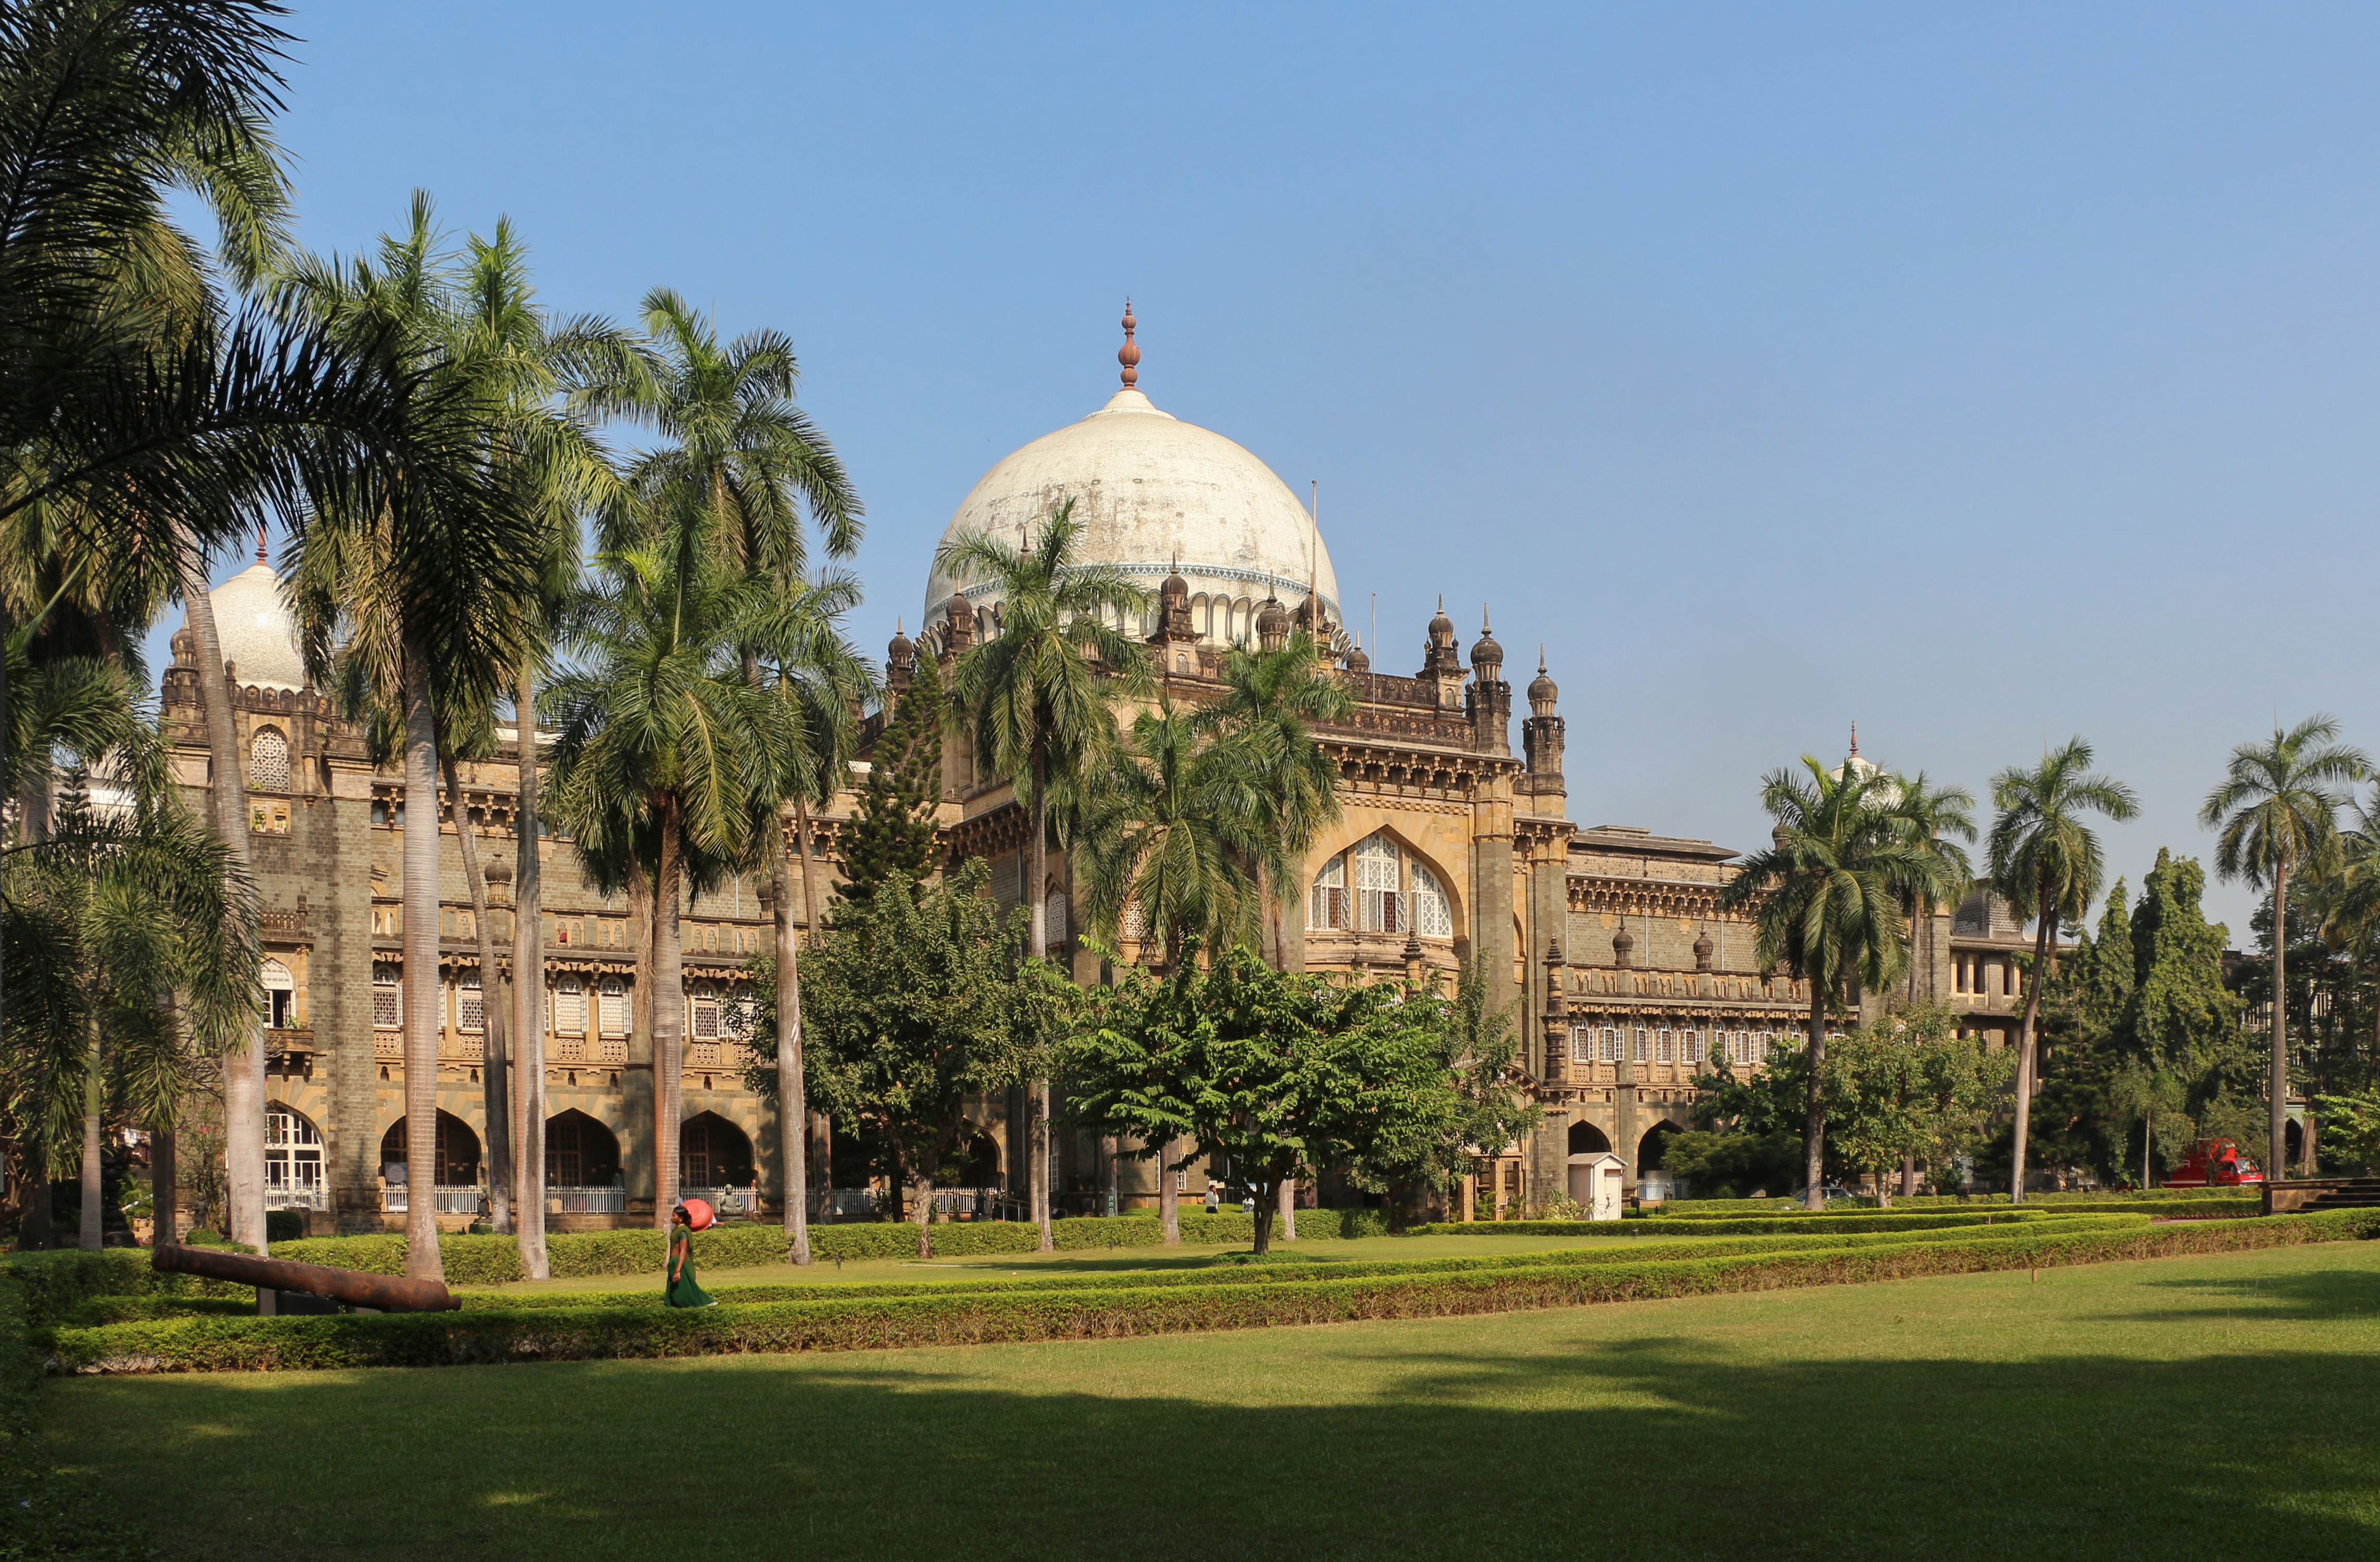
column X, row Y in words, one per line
column 260, row 556
column 1854, row 739
column 1129, row 354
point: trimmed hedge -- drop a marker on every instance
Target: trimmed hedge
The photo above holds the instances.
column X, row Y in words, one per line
column 1045, row 1313
column 1850, row 1220
column 2187, row 1205
column 1723, row 1246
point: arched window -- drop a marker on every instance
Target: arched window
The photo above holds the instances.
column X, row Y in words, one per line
column 706, row 1011
column 735, row 1016
column 1644, row 1044
column 280, row 994
column 268, row 761
column 1377, row 898
column 293, row 1161
column 388, row 995
column 1662, row 1044
column 471, row 1004
column 1582, row 1045
column 1136, row 926
column 570, row 1005
column 1690, row 1048
column 611, row 1005
column 1430, row 918
column 1611, row 1044
column 1053, row 917
column 1331, row 896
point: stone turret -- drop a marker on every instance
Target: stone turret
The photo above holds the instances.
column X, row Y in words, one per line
column 900, row 662
column 1541, row 745
column 958, row 629
column 1175, row 639
column 1272, row 625
column 1488, row 700
column 1557, row 1017
column 1442, row 660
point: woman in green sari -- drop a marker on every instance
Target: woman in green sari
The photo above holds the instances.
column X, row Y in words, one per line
column 683, row 1291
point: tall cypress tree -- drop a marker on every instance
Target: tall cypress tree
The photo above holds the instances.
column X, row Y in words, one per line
column 2180, row 1017
column 891, row 839
column 2100, row 978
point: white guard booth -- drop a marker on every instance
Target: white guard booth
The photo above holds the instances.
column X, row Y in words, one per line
column 1595, row 1182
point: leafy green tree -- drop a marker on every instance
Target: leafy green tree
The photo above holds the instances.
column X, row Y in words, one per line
column 1271, row 1074
column 1431, row 1153
column 2277, row 811
column 2094, row 990
column 919, row 1006
column 2351, row 1128
column 2045, row 861
column 1827, row 898
column 1169, row 824
column 2179, row 1017
column 890, row 837
column 1034, row 698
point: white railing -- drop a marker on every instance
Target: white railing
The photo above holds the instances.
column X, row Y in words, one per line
column 587, row 1201
column 729, row 1202
column 313, row 1197
column 395, row 1200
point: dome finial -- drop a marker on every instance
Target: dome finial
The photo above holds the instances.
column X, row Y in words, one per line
column 261, row 557
column 1854, row 739
column 1129, row 354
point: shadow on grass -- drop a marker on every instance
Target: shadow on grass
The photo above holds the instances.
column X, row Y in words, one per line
column 1551, row 1444
column 2312, row 1295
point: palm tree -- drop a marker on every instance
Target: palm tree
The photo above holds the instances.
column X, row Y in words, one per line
column 1273, row 699
column 2045, row 861
column 1945, row 817
column 2348, row 901
column 155, row 428
column 745, row 465
column 1035, row 697
column 1827, row 897
column 423, row 583
column 661, row 748
column 2277, row 810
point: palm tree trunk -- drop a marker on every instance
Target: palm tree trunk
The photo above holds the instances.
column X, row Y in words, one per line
column 1909, row 1175
column 1169, row 1203
column 2278, row 1085
column 495, row 1099
column 1814, row 1128
column 93, row 1199
column 529, row 989
column 422, row 994
column 922, row 1180
column 2042, row 940
column 793, row 1102
column 669, row 1019
column 1037, row 1139
column 161, row 1190
column 244, row 1068
column 820, row 1128
column 1288, row 1198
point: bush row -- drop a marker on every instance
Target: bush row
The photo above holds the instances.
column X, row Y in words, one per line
column 1850, row 1220
column 2223, row 1201
column 56, row 1282
column 1634, row 1252
column 1043, row 1314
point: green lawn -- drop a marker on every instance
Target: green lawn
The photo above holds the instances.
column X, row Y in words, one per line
column 2177, row 1408
column 1119, row 1261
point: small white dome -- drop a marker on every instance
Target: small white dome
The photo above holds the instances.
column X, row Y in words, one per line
column 258, row 637
column 1151, row 489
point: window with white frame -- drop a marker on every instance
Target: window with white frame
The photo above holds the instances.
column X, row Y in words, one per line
column 1430, row 918
column 1612, row 1044
column 706, row 1011
column 1376, row 884
column 570, row 1005
column 1663, row 1044
column 1582, row 1045
column 611, row 1005
column 268, row 760
column 388, row 995
column 280, row 994
column 1690, row 1048
column 293, row 1157
column 1330, row 896
column 1644, row 1044
column 737, row 1013
column 470, row 1006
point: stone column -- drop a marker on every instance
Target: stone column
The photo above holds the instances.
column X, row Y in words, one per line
column 1491, row 890
column 1623, row 1112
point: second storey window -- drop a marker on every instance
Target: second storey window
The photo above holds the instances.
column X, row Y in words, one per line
column 268, row 761
column 470, row 1007
column 1331, row 896
column 1378, row 906
column 611, row 1005
column 388, row 997
column 570, row 1005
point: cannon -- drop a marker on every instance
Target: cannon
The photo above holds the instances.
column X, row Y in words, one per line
column 283, row 1287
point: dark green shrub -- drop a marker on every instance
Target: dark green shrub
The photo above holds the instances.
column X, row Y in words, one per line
column 284, row 1226
column 127, row 1309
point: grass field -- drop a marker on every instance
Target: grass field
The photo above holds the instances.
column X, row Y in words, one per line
column 2174, row 1408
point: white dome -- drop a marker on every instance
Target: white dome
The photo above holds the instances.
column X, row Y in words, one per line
column 1151, row 490
column 259, row 638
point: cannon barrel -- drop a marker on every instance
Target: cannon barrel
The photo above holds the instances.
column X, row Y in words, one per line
column 391, row 1293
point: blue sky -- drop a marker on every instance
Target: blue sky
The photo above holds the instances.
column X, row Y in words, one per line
column 1981, row 375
